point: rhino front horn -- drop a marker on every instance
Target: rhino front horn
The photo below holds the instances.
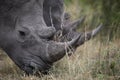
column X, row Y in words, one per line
column 95, row 31
column 88, row 35
column 56, row 50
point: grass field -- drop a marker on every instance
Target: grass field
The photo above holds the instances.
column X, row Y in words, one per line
column 92, row 61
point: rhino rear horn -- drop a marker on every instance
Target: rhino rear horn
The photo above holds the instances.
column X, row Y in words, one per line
column 73, row 25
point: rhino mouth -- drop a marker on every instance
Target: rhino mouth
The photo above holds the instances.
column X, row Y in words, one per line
column 35, row 66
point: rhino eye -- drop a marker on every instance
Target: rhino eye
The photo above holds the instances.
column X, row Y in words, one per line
column 22, row 33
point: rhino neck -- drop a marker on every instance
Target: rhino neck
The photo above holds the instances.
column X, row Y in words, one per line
column 5, row 37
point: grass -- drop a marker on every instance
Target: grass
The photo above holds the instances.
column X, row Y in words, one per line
column 92, row 61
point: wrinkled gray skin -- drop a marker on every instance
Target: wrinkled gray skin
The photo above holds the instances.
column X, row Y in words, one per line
column 28, row 32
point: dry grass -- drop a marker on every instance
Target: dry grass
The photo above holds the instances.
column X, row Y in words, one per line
column 92, row 61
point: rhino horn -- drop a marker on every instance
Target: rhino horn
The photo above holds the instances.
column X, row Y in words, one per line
column 58, row 49
column 88, row 35
column 76, row 23
column 68, row 26
column 95, row 31
column 44, row 31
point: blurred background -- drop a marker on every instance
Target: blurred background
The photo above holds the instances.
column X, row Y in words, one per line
column 97, row 59
column 96, row 12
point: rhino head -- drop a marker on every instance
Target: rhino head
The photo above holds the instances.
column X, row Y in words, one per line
column 28, row 29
